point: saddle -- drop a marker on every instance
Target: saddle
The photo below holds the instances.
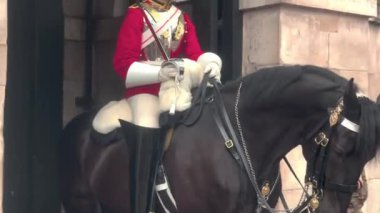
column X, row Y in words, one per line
column 106, row 121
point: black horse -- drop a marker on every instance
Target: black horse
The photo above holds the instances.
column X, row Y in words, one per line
column 272, row 111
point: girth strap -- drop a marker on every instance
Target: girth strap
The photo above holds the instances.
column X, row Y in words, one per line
column 164, row 193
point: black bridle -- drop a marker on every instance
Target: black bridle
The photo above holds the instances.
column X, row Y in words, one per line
column 316, row 170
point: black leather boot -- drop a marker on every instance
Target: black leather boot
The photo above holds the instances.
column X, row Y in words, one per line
column 145, row 148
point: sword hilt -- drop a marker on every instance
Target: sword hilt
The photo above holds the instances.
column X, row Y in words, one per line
column 178, row 64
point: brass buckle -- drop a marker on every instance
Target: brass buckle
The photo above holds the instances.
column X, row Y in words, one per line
column 229, row 144
column 321, row 139
column 325, row 142
column 312, row 182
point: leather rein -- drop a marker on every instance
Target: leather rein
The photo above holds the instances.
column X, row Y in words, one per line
column 235, row 148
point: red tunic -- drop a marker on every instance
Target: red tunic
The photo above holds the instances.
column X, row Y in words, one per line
column 128, row 49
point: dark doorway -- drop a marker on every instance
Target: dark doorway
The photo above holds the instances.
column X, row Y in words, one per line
column 219, row 28
column 33, row 108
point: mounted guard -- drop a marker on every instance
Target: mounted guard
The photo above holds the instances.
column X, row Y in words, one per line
column 152, row 34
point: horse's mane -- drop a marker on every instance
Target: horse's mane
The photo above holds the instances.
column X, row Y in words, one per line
column 369, row 135
column 291, row 86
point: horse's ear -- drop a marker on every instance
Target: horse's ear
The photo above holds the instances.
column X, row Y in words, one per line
column 351, row 102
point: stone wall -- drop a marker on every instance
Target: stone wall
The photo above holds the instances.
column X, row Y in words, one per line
column 374, row 60
column 3, row 68
column 296, row 32
column 336, row 34
column 361, row 7
column 108, row 15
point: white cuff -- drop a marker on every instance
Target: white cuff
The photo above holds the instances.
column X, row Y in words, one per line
column 140, row 74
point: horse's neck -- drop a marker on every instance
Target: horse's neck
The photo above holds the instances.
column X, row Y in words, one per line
column 270, row 135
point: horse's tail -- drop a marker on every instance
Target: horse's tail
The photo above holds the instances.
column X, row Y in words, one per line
column 75, row 190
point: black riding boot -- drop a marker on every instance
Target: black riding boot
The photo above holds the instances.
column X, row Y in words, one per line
column 145, row 148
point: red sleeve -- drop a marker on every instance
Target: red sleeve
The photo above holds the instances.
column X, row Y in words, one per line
column 128, row 46
column 191, row 46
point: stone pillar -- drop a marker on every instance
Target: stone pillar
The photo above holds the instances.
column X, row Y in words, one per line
column 374, row 60
column 335, row 34
column 108, row 15
column 3, row 71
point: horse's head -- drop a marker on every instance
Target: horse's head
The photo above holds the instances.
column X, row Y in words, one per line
column 337, row 157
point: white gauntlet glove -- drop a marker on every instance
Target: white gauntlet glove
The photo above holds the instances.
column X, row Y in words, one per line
column 167, row 72
column 214, row 70
column 172, row 69
column 211, row 64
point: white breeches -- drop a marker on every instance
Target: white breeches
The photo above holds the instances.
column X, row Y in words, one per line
column 145, row 110
column 142, row 110
column 107, row 119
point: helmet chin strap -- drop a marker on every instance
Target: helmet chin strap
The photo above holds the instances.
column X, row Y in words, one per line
column 160, row 5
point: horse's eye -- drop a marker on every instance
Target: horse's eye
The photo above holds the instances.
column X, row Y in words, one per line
column 344, row 140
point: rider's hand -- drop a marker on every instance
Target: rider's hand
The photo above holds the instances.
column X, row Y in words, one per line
column 167, row 72
column 214, row 70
